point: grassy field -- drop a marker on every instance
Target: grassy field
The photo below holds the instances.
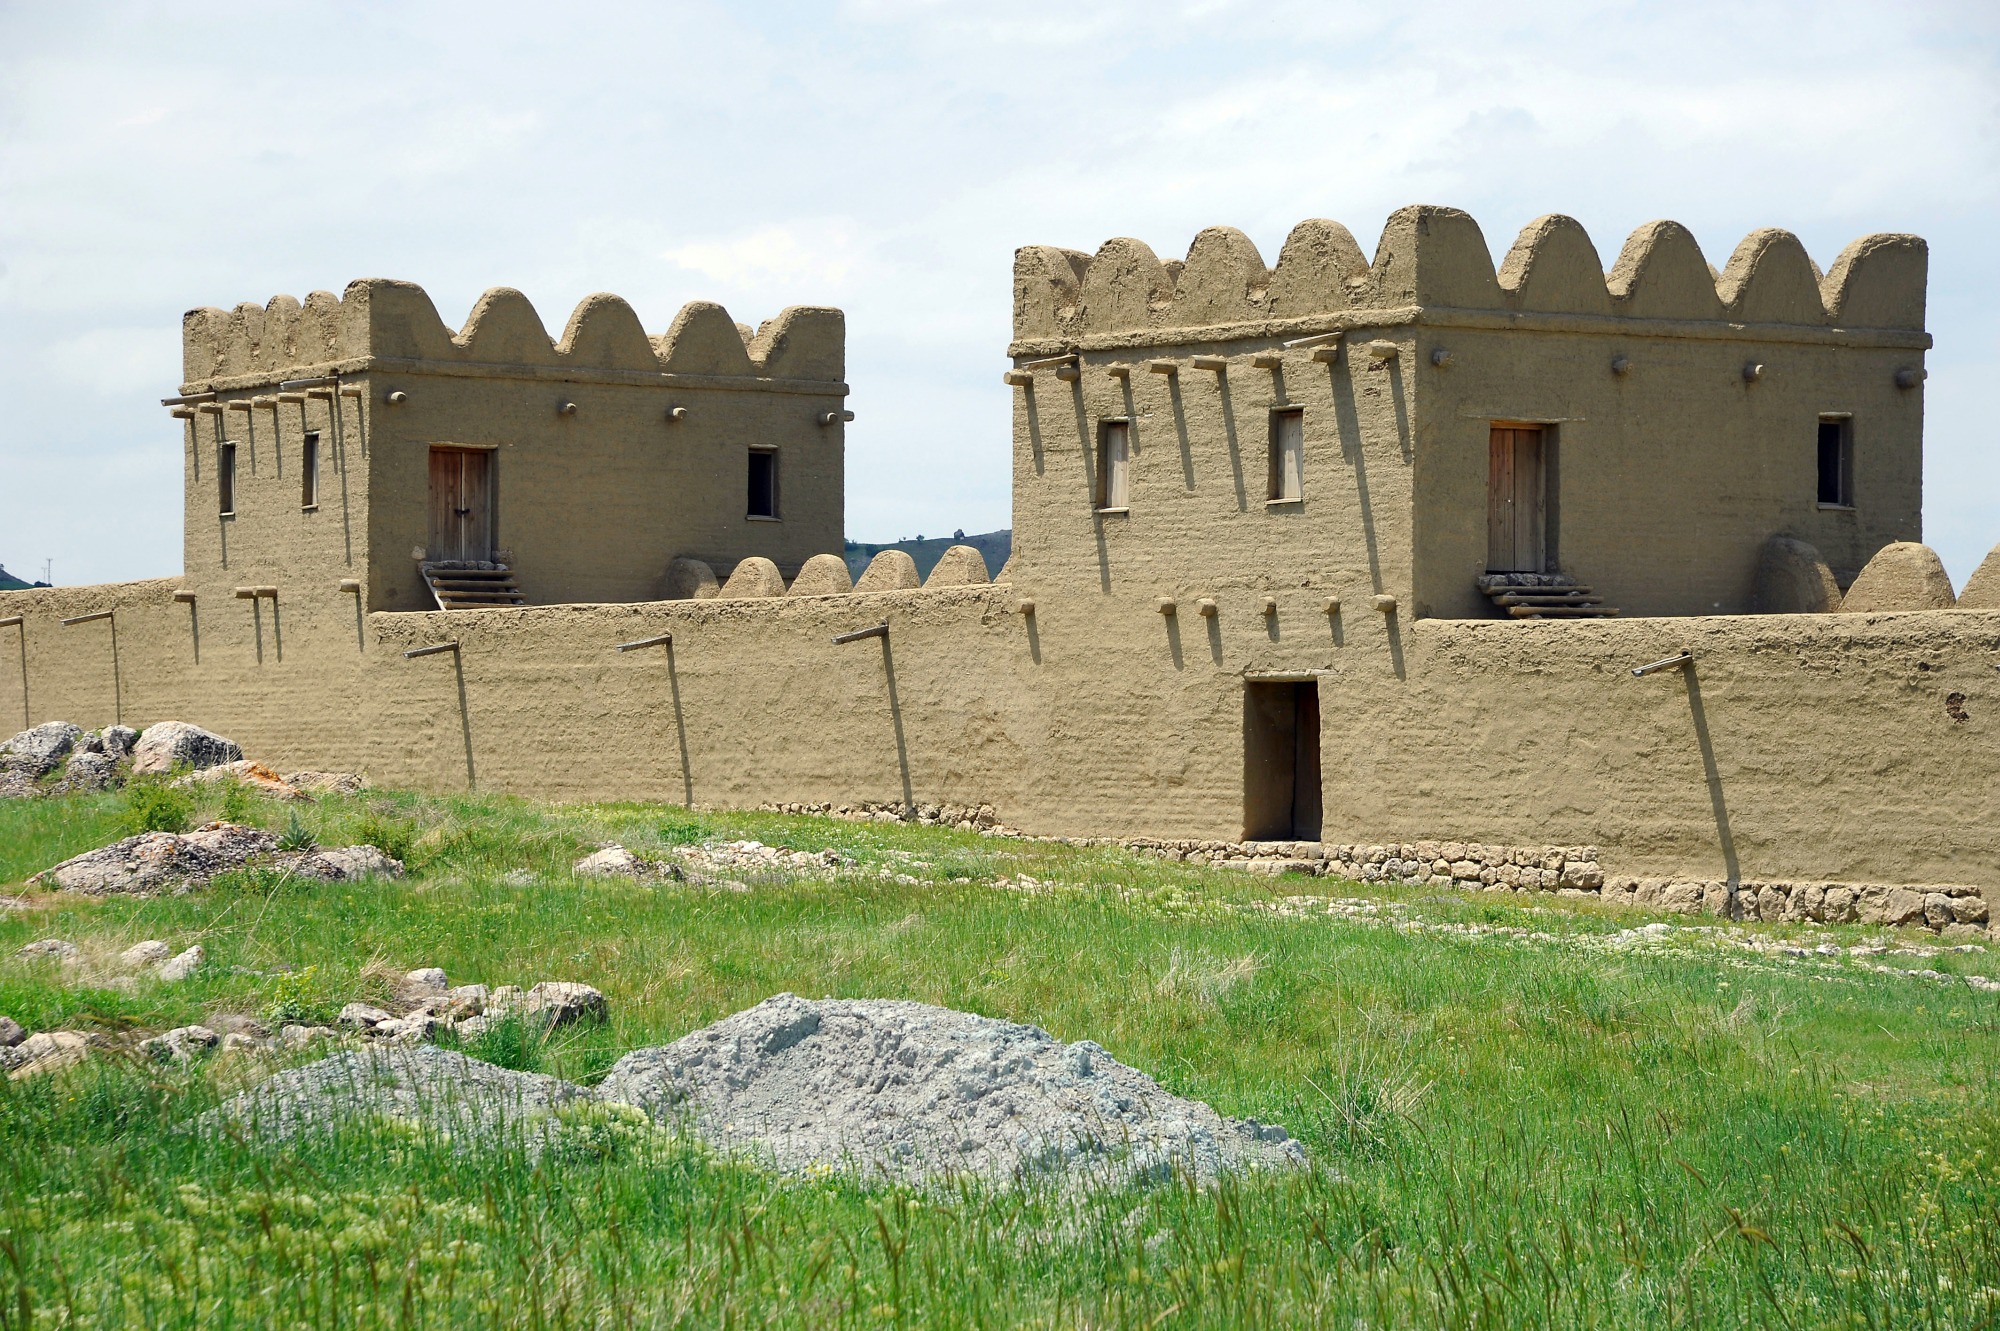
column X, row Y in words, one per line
column 1518, row 1116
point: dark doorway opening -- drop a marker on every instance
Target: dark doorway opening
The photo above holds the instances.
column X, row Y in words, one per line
column 1281, row 785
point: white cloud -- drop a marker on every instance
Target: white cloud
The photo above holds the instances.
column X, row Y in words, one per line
column 822, row 256
column 889, row 155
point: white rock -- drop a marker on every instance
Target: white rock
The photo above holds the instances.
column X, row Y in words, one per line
column 429, row 977
column 143, row 956
column 49, row 949
column 611, row 862
column 171, row 744
column 300, row 1037
column 46, row 1051
column 180, row 1044
column 559, row 1002
column 467, row 1000
column 361, row 1016
column 182, row 966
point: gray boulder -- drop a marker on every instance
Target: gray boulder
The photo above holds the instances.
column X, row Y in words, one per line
column 89, row 772
column 182, row 861
column 916, row 1093
column 37, row 752
column 11, row 1033
column 173, row 744
column 49, row 949
column 159, row 861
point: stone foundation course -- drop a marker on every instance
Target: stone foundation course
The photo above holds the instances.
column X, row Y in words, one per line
column 1575, row 871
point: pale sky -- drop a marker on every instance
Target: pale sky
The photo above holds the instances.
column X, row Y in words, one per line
column 887, row 156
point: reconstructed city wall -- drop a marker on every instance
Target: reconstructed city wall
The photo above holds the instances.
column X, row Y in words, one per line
column 1825, row 748
column 1099, row 688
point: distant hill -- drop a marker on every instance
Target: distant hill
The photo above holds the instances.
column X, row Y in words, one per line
column 10, row 583
column 994, row 546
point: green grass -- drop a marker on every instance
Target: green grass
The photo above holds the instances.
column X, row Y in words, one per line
column 1506, row 1130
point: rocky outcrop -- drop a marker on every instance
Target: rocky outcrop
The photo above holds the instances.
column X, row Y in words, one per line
column 182, row 861
column 169, row 745
column 39, row 751
column 253, row 776
column 96, row 760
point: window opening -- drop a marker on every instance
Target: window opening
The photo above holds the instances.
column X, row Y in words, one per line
column 225, row 478
column 1114, row 458
column 763, row 483
column 1836, row 462
column 309, row 473
column 1288, row 456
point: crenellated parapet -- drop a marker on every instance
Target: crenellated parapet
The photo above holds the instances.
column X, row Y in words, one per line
column 1432, row 258
column 377, row 320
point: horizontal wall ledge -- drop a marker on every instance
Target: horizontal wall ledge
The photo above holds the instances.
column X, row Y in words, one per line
column 743, row 383
column 1444, row 316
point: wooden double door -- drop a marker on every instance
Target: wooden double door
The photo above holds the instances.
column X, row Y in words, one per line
column 1517, row 507
column 461, row 504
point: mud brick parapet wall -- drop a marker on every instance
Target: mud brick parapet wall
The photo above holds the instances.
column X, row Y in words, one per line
column 1277, row 623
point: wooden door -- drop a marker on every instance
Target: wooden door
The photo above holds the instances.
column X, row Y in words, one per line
column 1516, row 500
column 461, row 504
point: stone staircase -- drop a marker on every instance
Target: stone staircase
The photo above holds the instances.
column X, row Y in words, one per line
column 471, row 584
column 1543, row 596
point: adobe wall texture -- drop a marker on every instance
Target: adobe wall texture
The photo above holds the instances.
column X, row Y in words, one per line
column 1809, row 747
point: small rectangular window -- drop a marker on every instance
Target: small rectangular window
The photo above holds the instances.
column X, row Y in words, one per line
column 1288, row 457
column 309, row 473
column 763, row 483
column 1114, row 459
column 225, row 478
column 1836, row 462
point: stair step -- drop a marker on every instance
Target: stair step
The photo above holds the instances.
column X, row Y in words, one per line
column 1562, row 611
column 455, row 587
column 1547, row 600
